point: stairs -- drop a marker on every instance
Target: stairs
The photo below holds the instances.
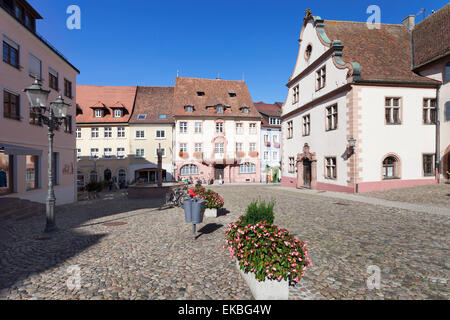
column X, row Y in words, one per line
column 15, row 209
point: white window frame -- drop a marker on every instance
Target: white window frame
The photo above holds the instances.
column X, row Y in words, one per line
column 252, row 128
column 120, row 132
column 95, row 133
column 139, row 134
column 163, row 152
column 98, row 113
column 183, row 147
column 161, row 137
column 107, row 132
column 140, row 153
column 183, row 127
column 94, row 154
column 78, row 133
column 117, row 113
column 198, row 127
column 120, row 153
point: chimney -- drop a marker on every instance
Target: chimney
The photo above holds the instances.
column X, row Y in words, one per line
column 409, row 22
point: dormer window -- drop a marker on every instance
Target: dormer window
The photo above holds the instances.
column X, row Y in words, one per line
column 200, row 93
column 117, row 113
column 219, row 109
column 232, row 94
column 189, row 108
column 142, row 117
column 244, row 109
column 98, row 113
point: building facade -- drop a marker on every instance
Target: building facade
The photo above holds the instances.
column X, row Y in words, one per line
column 23, row 138
column 356, row 117
column 151, row 127
column 217, row 131
column 103, row 134
column 270, row 141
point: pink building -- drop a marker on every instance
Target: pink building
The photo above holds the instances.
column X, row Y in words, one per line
column 217, row 131
column 23, row 140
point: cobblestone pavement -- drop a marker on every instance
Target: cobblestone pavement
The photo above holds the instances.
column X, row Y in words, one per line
column 434, row 194
column 154, row 256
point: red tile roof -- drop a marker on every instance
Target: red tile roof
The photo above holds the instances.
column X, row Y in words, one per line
column 104, row 97
column 216, row 92
column 432, row 37
column 269, row 110
column 153, row 102
column 384, row 54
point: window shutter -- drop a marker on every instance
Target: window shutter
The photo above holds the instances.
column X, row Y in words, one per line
column 447, row 111
column 53, row 72
column 34, row 66
column 11, row 43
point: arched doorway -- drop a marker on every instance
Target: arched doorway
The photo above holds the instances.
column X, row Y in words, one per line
column 306, row 169
column 107, row 175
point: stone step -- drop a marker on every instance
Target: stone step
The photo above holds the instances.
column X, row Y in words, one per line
column 8, row 204
column 26, row 208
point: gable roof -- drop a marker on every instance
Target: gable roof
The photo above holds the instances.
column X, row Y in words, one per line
column 431, row 37
column 216, row 92
column 384, row 54
column 104, row 97
column 153, row 102
column 269, row 110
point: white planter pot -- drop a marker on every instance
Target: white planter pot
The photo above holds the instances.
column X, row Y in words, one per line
column 265, row 290
column 212, row 213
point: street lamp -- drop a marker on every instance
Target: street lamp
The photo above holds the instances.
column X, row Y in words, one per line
column 57, row 113
column 352, row 144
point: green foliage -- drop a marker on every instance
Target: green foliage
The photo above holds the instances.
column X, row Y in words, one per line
column 259, row 211
column 94, row 186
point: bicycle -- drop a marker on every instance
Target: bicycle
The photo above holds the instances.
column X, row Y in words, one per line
column 176, row 197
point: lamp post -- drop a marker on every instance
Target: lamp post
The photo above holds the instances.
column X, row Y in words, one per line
column 57, row 113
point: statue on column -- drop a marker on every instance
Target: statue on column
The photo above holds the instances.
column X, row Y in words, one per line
column 159, row 166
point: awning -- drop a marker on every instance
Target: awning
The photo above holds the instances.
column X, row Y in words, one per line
column 19, row 150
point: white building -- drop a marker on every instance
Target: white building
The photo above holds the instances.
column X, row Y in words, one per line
column 353, row 85
column 270, row 141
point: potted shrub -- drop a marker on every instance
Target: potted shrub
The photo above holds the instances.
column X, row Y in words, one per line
column 213, row 200
column 268, row 257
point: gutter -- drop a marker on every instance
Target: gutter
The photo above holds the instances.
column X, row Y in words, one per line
column 437, row 157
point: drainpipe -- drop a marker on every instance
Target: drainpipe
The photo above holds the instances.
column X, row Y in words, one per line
column 438, row 138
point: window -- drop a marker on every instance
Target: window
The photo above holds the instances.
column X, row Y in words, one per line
column 290, row 130
column 11, row 105
column 78, row 154
column 200, row 93
column 140, row 134
column 198, row 147
column 160, row 134
column 274, row 155
column 162, row 116
column 140, row 153
column 239, row 128
column 189, row 108
column 219, row 109
column 32, row 173
column 219, row 127
column 117, row 113
column 98, row 113
column 308, row 52
column 296, row 96
column 245, row 110
column 78, row 133
column 321, row 78
column 34, row 67
column 429, row 111
column 428, row 165
column 183, row 127
column 266, row 155
column 306, row 125
column 266, row 138
column 391, row 168
column 121, row 132
column 274, row 121
column 239, row 146
column 68, row 124
column 252, row 128
column 94, row 153
column 183, row 147
column 11, row 52
column 247, row 168
column 275, row 139
column 330, row 168
column 142, row 117
column 219, row 148
column 188, row 170
column 392, row 110
column 120, row 153
column 107, row 132
column 198, row 127
column 107, row 153
column 332, row 118
column 94, row 133
column 163, row 152
column 53, row 79
column 291, row 165
column 252, row 146
column 68, row 89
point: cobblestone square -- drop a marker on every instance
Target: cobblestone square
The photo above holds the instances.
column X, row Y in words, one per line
column 130, row 249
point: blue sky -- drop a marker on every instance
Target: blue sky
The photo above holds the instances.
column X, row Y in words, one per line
column 145, row 42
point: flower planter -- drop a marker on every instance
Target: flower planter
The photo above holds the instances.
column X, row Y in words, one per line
column 267, row 289
column 211, row 213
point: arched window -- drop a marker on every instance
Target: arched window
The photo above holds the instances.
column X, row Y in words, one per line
column 188, row 170
column 391, row 168
column 93, row 176
column 247, row 168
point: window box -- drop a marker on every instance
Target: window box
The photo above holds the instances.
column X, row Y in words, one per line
column 253, row 154
column 268, row 144
column 276, row 145
column 240, row 154
column 183, row 154
column 198, row 155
